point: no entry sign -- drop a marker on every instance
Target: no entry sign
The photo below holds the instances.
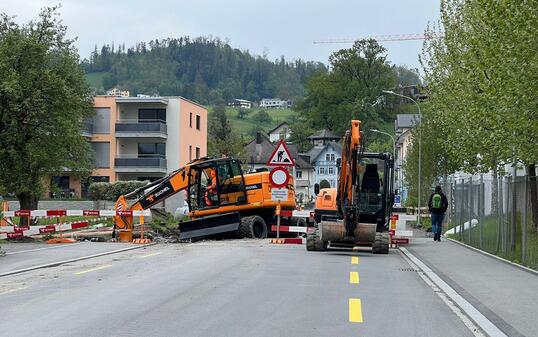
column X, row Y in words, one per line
column 279, row 177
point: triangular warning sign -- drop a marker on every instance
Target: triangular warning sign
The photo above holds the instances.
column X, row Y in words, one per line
column 281, row 156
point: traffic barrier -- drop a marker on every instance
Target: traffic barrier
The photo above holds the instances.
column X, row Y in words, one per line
column 294, row 241
column 12, row 232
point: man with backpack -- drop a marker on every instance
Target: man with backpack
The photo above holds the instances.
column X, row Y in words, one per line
column 438, row 205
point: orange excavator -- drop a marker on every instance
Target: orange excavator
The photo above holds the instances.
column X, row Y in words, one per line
column 358, row 210
column 220, row 197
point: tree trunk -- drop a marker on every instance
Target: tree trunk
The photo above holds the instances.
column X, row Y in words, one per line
column 533, row 189
column 494, row 192
column 27, row 201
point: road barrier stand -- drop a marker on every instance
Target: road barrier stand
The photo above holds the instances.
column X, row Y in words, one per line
column 15, row 231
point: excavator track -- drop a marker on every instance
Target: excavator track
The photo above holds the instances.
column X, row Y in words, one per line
column 314, row 243
column 381, row 243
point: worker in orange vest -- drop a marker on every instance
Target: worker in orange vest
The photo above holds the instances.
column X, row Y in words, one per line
column 211, row 189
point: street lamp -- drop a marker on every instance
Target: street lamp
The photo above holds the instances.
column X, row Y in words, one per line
column 390, row 92
column 393, row 141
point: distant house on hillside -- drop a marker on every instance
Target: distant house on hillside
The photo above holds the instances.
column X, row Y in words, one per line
column 281, row 131
column 274, row 103
column 240, row 103
column 260, row 149
column 118, row 92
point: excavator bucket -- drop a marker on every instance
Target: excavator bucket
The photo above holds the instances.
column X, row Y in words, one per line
column 209, row 225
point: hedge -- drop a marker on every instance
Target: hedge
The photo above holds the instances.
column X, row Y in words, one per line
column 112, row 191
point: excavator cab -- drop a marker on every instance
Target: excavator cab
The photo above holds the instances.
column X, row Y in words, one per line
column 216, row 183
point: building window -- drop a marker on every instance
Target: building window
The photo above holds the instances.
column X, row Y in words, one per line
column 329, row 157
column 101, row 154
column 197, row 152
column 190, row 152
column 101, row 120
column 197, row 122
column 190, row 120
column 331, row 170
column 299, row 174
column 151, row 150
column 322, row 170
column 152, row 115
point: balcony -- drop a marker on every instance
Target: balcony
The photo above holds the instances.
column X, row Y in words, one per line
column 141, row 129
column 140, row 164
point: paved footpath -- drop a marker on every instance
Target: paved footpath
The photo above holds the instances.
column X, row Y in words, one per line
column 505, row 294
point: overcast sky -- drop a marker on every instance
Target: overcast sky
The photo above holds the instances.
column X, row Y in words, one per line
column 276, row 27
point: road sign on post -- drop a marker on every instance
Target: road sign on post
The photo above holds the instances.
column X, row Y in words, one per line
column 279, row 177
column 281, row 156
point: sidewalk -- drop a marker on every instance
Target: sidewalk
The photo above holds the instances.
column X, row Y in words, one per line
column 505, row 294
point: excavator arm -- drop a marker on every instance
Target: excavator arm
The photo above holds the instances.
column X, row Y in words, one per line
column 348, row 183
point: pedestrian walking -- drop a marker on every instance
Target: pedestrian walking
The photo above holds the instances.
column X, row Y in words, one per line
column 438, row 205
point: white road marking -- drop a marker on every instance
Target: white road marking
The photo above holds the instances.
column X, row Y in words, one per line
column 472, row 318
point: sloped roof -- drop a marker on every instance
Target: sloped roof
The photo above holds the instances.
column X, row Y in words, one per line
column 260, row 149
column 317, row 150
column 279, row 125
column 406, row 121
column 324, row 134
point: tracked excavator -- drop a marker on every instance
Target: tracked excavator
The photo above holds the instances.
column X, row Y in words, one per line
column 358, row 210
column 220, row 197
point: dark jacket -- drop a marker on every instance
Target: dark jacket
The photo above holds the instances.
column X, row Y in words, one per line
column 444, row 204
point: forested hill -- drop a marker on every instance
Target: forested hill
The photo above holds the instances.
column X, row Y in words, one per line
column 202, row 69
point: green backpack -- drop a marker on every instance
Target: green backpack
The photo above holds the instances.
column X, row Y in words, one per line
column 437, row 201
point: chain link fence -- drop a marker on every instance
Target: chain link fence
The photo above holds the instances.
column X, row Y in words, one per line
column 494, row 215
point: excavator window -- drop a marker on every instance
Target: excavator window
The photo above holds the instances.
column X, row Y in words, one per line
column 371, row 172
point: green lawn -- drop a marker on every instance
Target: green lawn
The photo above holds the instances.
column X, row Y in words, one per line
column 246, row 125
column 95, row 80
column 492, row 240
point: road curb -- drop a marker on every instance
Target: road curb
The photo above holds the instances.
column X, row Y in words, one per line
column 474, row 314
column 527, row 269
column 55, row 264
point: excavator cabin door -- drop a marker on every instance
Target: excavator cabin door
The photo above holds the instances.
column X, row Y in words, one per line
column 216, row 183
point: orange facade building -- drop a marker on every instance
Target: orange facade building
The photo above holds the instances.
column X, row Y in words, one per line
column 139, row 138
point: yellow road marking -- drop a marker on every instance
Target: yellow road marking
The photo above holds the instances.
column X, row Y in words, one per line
column 151, row 254
column 355, row 310
column 354, row 277
column 354, row 260
column 12, row 290
column 93, row 269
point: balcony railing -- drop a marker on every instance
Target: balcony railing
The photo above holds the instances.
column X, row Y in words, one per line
column 142, row 163
column 141, row 128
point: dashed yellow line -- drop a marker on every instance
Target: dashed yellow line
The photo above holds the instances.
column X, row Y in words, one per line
column 354, row 260
column 354, row 277
column 151, row 254
column 355, row 310
column 93, row 269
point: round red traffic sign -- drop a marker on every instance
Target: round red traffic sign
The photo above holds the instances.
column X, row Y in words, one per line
column 279, row 177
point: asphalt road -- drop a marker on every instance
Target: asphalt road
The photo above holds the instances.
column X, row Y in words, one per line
column 226, row 288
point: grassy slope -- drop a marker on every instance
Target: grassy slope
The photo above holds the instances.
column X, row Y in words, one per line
column 95, row 80
column 244, row 126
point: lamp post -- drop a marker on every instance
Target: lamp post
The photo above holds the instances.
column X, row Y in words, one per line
column 390, row 92
column 393, row 141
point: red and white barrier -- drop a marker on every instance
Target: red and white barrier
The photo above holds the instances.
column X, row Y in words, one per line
column 12, row 232
column 297, row 214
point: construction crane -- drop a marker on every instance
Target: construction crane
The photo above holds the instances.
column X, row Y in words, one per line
column 385, row 38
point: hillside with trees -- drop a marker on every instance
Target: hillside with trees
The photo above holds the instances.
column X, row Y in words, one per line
column 202, row 69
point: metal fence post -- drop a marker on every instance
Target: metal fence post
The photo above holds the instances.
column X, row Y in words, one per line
column 499, row 214
column 524, row 222
column 480, row 209
column 513, row 213
column 462, row 203
column 470, row 210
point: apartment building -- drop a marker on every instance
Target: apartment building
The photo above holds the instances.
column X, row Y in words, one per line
column 140, row 138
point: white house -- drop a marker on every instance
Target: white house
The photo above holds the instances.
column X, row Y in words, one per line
column 273, row 103
column 403, row 124
column 240, row 103
column 281, row 131
column 324, row 160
